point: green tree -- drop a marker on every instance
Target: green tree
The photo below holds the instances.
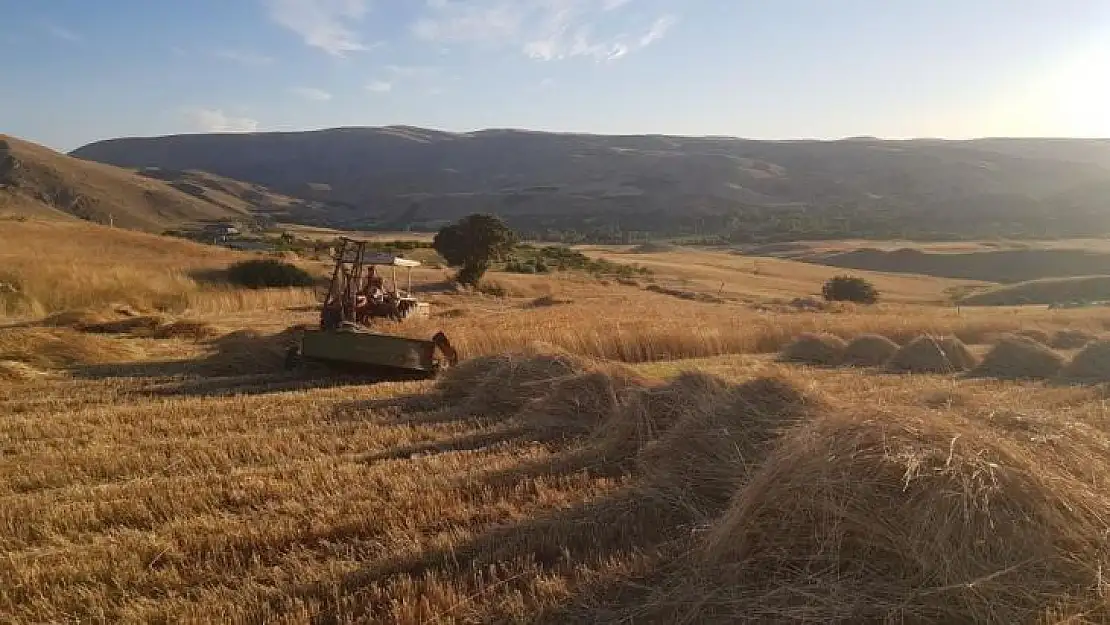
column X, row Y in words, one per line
column 472, row 244
column 850, row 289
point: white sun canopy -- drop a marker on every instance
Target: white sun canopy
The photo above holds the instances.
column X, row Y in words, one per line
column 379, row 258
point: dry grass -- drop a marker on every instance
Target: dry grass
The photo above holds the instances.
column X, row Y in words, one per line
column 92, row 268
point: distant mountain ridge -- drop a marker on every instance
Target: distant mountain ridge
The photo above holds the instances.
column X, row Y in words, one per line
column 403, row 176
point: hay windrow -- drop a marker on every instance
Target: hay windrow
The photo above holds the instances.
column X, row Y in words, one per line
column 1040, row 336
column 15, row 371
column 1070, row 339
column 815, row 349
column 708, row 453
column 1091, row 364
column 1018, row 357
column 143, row 326
column 869, row 350
column 500, row 386
column 247, row 351
column 187, row 329
column 900, row 518
column 932, row 354
column 647, row 413
column 76, row 319
column 53, row 348
column 578, row 404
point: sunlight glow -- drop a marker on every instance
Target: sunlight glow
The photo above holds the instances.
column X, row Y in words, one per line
column 1076, row 93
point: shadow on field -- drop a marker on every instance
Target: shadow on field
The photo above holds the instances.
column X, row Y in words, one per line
column 239, row 363
column 475, row 441
column 629, row 524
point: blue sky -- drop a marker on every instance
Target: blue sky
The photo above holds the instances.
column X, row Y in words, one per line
column 80, row 70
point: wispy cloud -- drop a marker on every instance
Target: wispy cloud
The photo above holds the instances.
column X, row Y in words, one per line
column 412, row 71
column 323, row 24
column 243, row 57
column 312, row 93
column 61, row 32
column 543, row 29
column 215, row 120
column 379, row 86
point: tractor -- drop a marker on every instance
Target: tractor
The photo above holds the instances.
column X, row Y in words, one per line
column 357, row 296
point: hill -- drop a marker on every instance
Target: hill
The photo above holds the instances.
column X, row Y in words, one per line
column 1005, row 266
column 235, row 195
column 567, row 185
column 1046, row 291
column 37, row 181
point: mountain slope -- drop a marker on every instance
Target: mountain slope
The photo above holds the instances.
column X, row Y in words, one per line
column 37, row 181
column 233, row 195
column 402, row 176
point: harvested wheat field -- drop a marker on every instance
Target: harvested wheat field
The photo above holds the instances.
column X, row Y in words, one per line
column 590, row 462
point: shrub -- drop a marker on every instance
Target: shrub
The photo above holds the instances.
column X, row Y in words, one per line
column 270, row 272
column 850, row 289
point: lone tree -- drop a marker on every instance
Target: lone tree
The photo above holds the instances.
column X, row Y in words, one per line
column 472, row 244
column 850, row 289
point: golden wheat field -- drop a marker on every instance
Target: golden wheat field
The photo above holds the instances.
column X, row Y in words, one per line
column 606, row 452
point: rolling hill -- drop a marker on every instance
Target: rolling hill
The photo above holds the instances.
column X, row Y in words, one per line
column 742, row 190
column 36, row 181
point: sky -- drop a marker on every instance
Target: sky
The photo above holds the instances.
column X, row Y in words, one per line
column 77, row 71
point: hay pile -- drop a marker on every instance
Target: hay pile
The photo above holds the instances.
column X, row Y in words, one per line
column 705, row 456
column 76, row 319
column 15, row 371
column 580, row 403
column 884, row 518
column 1070, row 339
column 649, row 412
column 869, row 350
column 51, row 348
column 1039, row 336
column 247, row 351
column 186, row 329
column 500, row 386
column 1018, row 357
column 815, row 349
column 1092, row 363
column 933, row 354
column 141, row 326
